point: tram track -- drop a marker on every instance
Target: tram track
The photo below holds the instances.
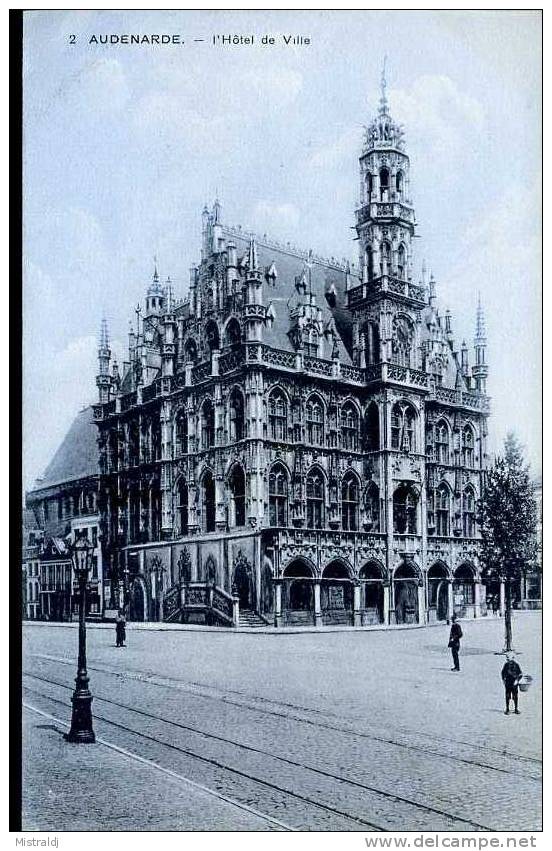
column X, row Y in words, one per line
column 450, row 820
column 250, row 701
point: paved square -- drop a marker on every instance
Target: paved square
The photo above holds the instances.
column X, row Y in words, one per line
column 329, row 730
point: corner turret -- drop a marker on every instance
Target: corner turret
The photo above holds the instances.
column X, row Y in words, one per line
column 103, row 379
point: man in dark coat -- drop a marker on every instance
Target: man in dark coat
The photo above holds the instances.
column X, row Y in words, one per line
column 511, row 673
column 120, row 630
column 454, row 642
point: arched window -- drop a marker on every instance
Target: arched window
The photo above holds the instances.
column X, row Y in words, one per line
column 404, row 510
column 156, row 440
column 401, row 261
column 442, row 510
column 315, row 421
column 278, row 495
column 212, row 336
column 309, row 338
column 182, row 507
column 403, row 432
column 372, row 507
column 277, row 415
column 237, row 490
column 207, row 424
column 402, row 343
column 349, row 503
column 237, row 421
column 190, row 351
column 133, row 444
column 181, row 432
column 315, row 500
column 384, row 184
column 369, row 186
column 232, row 334
column 464, row 585
column 468, row 513
column 371, row 428
column 399, row 182
column 146, row 441
column 442, row 442
column 371, row 342
column 468, row 446
column 385, row 257
column 208, row 502
column 369, row 263
column 349, row 427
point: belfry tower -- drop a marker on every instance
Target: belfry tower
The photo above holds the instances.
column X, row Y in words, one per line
column 385, row 218
column 385, row 303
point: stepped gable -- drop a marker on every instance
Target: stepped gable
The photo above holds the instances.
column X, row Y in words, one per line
column 290, row 264
column 77, row 456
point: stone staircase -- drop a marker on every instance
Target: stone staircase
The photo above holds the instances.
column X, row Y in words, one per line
column 250, row 618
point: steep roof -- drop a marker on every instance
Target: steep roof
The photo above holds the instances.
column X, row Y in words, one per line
column 290, row 265
column 77, row 455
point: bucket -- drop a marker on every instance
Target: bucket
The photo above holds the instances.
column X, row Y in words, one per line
column 525, row 682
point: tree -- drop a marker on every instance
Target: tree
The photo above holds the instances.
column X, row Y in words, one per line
column 508, row 519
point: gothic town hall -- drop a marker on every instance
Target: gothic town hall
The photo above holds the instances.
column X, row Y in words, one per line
column 298, row 442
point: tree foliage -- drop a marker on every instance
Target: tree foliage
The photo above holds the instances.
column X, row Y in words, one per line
column 508, row 514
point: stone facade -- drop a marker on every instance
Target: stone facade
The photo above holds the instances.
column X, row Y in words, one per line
column 300, row 439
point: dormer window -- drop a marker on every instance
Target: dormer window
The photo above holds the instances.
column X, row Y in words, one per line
column 309, row 338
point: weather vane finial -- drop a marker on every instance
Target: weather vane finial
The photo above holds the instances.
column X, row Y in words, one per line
column 383, row 99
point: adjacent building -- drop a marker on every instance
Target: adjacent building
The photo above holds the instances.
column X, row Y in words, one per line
column 63, row 503
column 300, row 440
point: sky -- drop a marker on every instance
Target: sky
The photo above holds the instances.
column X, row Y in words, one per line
column 124, row 144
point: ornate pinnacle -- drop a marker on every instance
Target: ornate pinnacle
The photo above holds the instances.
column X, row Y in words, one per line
column 104, row 334
column 252, row 256
column 480, row 330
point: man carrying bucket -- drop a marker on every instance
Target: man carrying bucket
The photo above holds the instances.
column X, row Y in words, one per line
column 511, row 675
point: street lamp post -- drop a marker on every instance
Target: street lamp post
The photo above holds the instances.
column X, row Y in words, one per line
column 81, row 719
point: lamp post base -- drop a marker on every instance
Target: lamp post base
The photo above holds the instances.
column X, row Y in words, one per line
column 81, row 731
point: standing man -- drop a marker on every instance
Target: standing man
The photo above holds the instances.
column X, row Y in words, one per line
column 511, row 674
column 454, row 642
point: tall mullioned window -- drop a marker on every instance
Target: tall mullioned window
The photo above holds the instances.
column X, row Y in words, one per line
column 405, row 510
column 403, row 418
column 277, row 415
column 278, row 495
column 442, row 510
column 441, row 442
column 207, row 424
column 349, row 503
column 181, row 433
column 468, row 513
column 182, row 507
column 315, row 421
column 237, row 417
column 315, row 500
column 349, row 427
column 468, row 446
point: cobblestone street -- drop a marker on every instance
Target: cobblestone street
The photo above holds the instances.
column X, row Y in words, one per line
column 207, row 730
